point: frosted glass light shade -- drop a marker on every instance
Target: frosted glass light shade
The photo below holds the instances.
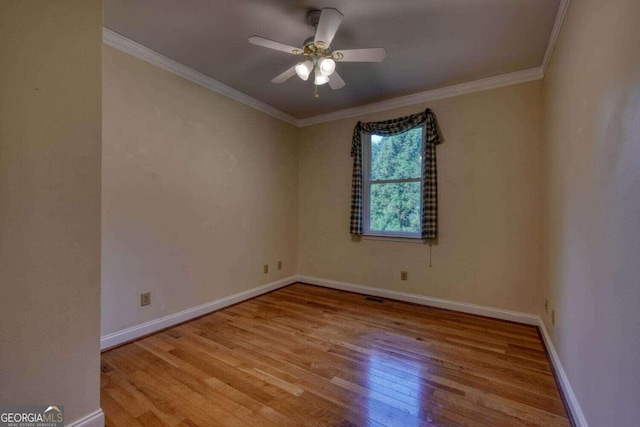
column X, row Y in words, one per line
column 320, row 78
column 303, row 69
column 327, row 66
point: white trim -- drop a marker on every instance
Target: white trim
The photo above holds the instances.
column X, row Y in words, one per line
column 431, row 95
column 495, row 82
column 563, row 380
column 126, row 45
column 496, row 313
column 555, row 33
column 139, row 51
column 398, row 239
column 94, row 419
column 137, row 331
column 367, row 182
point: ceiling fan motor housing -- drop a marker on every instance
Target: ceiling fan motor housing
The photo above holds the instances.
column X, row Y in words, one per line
column 313, row 17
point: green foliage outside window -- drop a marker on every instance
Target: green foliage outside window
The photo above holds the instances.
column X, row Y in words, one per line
column 396, row 206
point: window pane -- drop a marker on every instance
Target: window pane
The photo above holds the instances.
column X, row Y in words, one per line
column 395, row 207
column 397, row 156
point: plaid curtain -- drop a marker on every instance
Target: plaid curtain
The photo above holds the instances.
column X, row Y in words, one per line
column 429, row 176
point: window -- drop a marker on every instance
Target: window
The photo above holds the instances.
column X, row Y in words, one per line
column 392, row 178
column 394, row 184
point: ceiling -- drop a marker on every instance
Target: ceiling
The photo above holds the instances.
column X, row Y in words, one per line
column 430, row 44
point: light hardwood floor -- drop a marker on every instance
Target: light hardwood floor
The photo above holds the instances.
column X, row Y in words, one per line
column 305, row 355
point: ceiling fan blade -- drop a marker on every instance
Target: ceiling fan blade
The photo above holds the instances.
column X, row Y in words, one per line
column 281, row 78
column 335, row 81
column 261, row 41
column 360, row 55
column 330, row 20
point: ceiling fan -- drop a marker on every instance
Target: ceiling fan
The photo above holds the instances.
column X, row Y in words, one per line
column 319, row 59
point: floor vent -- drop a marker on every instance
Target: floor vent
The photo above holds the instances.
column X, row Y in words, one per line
column 374, row 299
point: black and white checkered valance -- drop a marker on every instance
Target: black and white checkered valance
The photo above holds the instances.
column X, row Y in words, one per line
column 429, row 178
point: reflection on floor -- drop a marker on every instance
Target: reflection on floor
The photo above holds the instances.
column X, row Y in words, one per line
column 306, row 355
column 406, row 393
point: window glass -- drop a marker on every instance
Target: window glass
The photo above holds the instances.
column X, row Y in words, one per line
column 397, row 156
column 393, row 185
column 395, row 207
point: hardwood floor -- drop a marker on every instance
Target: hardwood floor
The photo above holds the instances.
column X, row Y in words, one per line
column 305, row 355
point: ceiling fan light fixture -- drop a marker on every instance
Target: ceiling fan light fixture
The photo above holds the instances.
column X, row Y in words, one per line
column 327, row 66
column 303, row 69
column 320, row 78
column 317, row 56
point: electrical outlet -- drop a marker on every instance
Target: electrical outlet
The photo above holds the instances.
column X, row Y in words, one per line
column 546, row 306
column 553, row 317
column 403, row 275
column 279, row 265
column 145, row 298
column 266, row 268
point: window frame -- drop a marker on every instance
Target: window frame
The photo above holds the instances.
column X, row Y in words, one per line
column 366, row 182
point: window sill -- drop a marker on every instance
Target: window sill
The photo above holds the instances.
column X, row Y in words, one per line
column 393, row 238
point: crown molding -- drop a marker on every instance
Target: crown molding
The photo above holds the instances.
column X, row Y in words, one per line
column 124, row 44
column 531, row 74
column 555, row 33
column 430, row 95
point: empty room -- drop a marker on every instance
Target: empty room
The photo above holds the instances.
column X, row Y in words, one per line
column 319, row 213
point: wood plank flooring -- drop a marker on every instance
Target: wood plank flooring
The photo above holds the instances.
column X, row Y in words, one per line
column 305, row 355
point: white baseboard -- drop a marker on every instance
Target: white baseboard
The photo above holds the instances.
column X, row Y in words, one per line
column 496, row 313
column 152, row 326
column 94, row 419
column 97, row 418
column 563, row 380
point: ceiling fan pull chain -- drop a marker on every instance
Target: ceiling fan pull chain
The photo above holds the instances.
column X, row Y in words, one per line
column 316, row 94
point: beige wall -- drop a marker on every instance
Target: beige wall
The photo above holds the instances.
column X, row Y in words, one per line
column 50, row 55
column 489, row 193
column 199, row 192
column 538, row 200
column 592, row 213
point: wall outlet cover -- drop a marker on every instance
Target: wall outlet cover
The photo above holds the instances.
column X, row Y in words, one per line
column 145, row 298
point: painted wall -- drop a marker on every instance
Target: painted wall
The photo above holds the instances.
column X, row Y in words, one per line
column 50, row 89
column 592, row 207
column 199, row 192
column 489, row 192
